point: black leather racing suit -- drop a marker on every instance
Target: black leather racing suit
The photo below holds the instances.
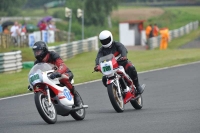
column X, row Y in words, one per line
column 118, row 49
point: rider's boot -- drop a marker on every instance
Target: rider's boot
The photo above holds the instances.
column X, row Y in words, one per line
column 77, row 100
column 138, row 86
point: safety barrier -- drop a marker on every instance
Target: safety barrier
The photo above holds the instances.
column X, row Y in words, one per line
column 68, row 50
column 10, row 62
column 155, row 41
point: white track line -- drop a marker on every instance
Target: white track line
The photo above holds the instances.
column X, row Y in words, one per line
column 100, row 79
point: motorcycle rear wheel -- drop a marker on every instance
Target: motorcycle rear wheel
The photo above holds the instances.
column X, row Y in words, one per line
column 48, row 113
column 79, row 114
column 116, row 101
column 138, row 103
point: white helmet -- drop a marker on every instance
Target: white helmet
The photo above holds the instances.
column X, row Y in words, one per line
column 106, row 38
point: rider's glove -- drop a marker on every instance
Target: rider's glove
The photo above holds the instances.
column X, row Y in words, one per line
column 55, row 75
column 96, row 68
column 122, row 59
column 29, row 88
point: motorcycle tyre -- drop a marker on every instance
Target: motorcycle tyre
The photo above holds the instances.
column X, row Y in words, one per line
column 38, row 97
column 80, row 114
column 112, row 90
column 138, row 103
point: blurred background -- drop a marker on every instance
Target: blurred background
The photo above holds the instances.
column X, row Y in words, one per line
column 95, row 15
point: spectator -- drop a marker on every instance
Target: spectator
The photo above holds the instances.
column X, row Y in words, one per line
column 140, row 26
column 149, row 31
column 149, row 34
column 155, row 30
column 6, row 30
column 14, row 32
column 42, row 25
column 52, row 26
column 23, row 32
column 164, row 38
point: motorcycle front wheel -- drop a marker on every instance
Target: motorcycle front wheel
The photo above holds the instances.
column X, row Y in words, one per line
column 116, row 101
column 46, row 111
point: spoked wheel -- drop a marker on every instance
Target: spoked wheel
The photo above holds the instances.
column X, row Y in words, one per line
column 79, row 114
column 138, row 103
column 46, row 111
column 116, row 101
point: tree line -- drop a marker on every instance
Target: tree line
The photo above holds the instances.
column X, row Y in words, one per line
column 96, row 11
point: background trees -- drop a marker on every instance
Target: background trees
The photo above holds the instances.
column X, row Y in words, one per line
column 10, row 7
column 97, row 11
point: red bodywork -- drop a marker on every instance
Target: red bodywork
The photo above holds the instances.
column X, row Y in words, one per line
column 129, row 95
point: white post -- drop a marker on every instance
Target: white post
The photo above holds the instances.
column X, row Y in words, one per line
column 80, row 13
column 68, row 14
column 83, row 26
column 69, row 32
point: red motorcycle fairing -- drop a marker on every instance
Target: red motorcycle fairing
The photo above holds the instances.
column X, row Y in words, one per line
column 39, row 88
column 109, row 81
column 128, row 96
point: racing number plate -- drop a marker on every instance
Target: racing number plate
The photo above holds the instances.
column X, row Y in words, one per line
column 106, row 68
column 34, row 78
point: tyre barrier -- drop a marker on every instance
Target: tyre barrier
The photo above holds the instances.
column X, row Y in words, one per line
column 10, row 62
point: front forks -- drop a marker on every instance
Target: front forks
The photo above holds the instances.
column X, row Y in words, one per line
column 48, row 96
column 118, row 87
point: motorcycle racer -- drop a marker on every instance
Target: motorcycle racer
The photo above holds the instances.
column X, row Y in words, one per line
column 42, row 54
column 109, row 46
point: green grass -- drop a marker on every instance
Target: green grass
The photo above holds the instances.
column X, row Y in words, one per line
column 82, row 67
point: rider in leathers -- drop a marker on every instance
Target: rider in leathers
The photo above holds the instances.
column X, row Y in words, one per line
column 42, row 54
column 117, row 49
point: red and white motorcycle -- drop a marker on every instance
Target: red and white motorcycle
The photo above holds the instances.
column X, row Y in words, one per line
column 118, row 91
column 51, row 97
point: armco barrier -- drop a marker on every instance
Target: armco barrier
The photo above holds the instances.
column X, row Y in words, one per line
column 68, row 50
column 10, row 62
column 155, row 41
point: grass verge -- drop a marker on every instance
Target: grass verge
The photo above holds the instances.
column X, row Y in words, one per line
column 82, row 67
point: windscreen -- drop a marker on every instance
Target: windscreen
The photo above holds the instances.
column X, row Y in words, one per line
column 106, row 58
column 40, row 66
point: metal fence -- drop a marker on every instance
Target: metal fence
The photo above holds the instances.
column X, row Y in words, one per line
column 155, row 41
column 7, row 41
column 68, row 50
column 12, row 61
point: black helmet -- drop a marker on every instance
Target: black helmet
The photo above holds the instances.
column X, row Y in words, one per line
column 40, row 50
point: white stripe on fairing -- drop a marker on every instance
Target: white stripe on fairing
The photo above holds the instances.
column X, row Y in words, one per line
column 100, row 79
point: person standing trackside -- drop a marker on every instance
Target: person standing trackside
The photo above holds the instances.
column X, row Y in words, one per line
column 14, row 32
column 155, row 30
column 149, row 34
column 43, row 25
column 148, row 31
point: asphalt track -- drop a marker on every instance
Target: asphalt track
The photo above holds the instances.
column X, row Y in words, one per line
column 171, row 105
